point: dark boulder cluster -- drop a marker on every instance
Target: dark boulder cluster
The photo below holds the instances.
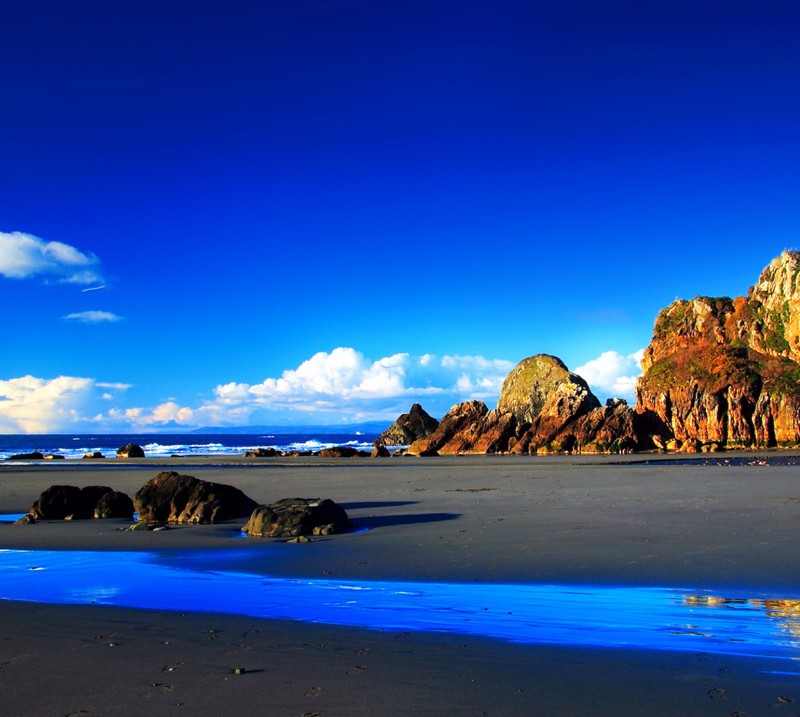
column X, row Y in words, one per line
column 342, row 452
column 262, row 453
column 332, row 452
column 173, row 498
column 32, row 456
column 68, row 502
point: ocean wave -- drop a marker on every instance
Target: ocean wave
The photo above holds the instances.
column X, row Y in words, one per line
column 164, row 446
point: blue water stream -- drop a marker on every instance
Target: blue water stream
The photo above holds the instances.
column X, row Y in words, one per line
column 655, row 618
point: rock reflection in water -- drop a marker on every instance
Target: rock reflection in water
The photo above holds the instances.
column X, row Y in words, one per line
column 785, row 613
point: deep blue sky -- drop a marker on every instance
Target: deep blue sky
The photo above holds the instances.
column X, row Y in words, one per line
column 263, row 181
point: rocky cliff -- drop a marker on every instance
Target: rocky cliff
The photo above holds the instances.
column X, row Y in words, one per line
column 718, row 373
column 723, row 372
column 543, row 407
column 408, row 428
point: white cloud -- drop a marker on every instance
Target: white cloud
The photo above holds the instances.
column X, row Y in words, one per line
column 24, row 255
column 345, row 376
column 343, row 385
column 93, row 317
column 337, row 387
column 40, row 405
column 36, row 405
column 612, row 374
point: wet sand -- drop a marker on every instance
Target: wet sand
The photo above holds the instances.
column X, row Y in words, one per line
column 490, row 519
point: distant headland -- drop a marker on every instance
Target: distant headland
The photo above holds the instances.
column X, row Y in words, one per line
column 719, row 373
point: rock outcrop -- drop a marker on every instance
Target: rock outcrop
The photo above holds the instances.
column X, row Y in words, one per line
column 131, row 450
column 718, row 373
column 409, row 427
column 33, row 456
column 723, row 372
column 341, row 452
column 542, row 386
column 380, row 451
column 173, row 498
column 293, row 517
column 456, row 432
column 543, row 407
column 261, row 453
column 69, row 502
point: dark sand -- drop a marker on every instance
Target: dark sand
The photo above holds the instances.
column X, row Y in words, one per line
column 465, row 519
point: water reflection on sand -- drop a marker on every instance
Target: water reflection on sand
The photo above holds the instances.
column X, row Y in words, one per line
column 640, row 617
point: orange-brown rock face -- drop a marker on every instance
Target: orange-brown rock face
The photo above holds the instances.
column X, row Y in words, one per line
column 408, row 428
column 722, row 372
column 542, row 407
column 456, row 432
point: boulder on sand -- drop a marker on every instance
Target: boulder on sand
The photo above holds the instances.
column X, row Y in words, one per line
column 261, row 453
column 339, row 452
column 131, row 450
column 114, row 505
column 173, row 498
column 60, row 502
column 293, row 517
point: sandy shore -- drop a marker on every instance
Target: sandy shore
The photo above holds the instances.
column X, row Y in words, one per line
column 503, row 519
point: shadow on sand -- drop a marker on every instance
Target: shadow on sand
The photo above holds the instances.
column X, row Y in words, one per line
column 384, row 521
column 367, row 504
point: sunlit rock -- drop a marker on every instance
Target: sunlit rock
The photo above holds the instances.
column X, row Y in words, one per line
column 409, row 427
column 131, row 450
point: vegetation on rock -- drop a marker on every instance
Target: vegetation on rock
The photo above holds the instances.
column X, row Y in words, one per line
column 725, row 372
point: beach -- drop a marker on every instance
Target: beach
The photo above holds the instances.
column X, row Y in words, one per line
column 726, row 531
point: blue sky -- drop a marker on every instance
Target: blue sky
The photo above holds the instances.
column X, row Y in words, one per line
column 319, row 212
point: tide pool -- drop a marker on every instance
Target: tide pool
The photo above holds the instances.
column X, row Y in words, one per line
column 589, row 616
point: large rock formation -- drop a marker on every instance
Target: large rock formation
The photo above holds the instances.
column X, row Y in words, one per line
column 293, row 517
column 456, row 432
column 409, row 427
column 60, row 502
column 724, row 372
column 543, row 407
column 173, row 498
column 543, row 386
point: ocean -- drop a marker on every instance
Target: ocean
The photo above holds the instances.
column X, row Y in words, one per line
column 163, row 445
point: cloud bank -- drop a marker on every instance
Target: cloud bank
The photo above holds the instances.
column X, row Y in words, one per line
column 38, row 405
column 23, row 256
column 337, row 387
column 613, row 375
column 344, row 386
